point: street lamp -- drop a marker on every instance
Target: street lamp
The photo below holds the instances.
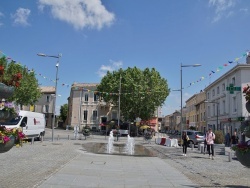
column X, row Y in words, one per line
column 119, row 108
column 217, row 114
column 194, row 65
column 54, row 103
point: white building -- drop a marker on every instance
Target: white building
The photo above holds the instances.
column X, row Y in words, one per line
column 225, row 103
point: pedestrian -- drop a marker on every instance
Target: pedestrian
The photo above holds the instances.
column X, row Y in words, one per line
column 210, row 143
column 205, row 142
column 185, row 143
column 234, row 139
column 227, row 140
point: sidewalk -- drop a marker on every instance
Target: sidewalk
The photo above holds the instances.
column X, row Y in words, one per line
column 105, row 171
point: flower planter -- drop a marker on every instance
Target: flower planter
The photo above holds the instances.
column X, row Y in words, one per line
column 4, row 147
column 6, row 91
column 248, row 106
column 244, row 158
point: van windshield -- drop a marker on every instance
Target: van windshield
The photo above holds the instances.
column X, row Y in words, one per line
column 13, row 121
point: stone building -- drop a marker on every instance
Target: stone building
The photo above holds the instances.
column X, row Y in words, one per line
column 45, row 104
column 85, row 108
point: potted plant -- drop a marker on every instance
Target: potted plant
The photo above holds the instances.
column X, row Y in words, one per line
column 10, row 137
column 242, row 151
column 246, row 94
column 86, row 131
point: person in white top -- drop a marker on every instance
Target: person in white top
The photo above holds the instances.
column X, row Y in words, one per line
column 210, row 136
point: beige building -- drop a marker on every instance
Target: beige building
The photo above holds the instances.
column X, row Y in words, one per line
column 191, row 114
column 45, row 104
column 201, row 111
column 85, row 108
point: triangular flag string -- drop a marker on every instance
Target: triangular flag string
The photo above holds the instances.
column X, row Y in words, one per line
column 218, row 69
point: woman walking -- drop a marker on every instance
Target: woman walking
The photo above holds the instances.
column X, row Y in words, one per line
column 210, row 137
column 185, row 143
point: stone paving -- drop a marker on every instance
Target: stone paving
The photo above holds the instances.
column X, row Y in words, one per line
column 38, row 164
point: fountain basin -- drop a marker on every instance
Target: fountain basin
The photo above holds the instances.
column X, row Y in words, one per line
column 118, row 149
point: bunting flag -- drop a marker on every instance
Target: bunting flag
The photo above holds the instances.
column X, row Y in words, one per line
column 218, row 69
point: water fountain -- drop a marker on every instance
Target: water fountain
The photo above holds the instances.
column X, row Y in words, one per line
column 110, row 146
column 130, row 146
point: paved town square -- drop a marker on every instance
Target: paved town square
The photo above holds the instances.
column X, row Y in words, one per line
column 66, row 163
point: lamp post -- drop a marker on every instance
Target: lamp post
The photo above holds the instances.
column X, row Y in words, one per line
column 119, row 106
column 194, row 65
column 217, row 109
column 54, row 103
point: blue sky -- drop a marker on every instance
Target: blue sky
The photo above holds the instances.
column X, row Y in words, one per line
column 94, row 36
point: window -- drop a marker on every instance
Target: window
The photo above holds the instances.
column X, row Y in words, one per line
column 223, row 107
column 208, row 95
column 47, row 108
column 233, row 80
column 114, row 115
column 86, row 97
column 218, row 90
column 85, row 115
column 218, row 108
column 95, row 115
column 213, row 93
column 47, row 98
column 223, row 87
column 234, row 105
column 208, row 111
column 96, row 97
column 214, row 109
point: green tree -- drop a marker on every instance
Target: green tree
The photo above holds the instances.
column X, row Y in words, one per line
column 64, row 112
column 27, row 90
column 142, row 91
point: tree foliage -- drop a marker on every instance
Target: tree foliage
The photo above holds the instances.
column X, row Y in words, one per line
column 64, row 112
column 142, row 91
column 27, row 90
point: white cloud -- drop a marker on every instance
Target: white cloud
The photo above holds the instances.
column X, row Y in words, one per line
column 21, row 16
column 114, row 65
column 222, row 8
column 80, row 13
column 245, row 10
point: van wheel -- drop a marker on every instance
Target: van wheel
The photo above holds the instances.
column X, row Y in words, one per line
column 39, row 138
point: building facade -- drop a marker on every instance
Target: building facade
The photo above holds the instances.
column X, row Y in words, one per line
column 45, row 104
column 85, row 108
column 191, row 113
column 201, row 111
column 225, row 105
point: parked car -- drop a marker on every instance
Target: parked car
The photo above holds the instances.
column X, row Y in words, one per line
column 195, row 137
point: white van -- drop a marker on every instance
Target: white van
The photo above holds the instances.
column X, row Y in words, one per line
column 32, row 123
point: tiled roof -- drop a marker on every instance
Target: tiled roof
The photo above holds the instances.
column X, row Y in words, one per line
column 47, row 89
column 90, row 86
column 84, row 84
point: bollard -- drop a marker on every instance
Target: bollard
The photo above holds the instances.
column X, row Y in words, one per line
column 68, row 137
column 58, row 137
column 229, row 156
column 32, row 140
column 41, row 138
column 202, row 149
column 199, row 145
column 192, row 146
